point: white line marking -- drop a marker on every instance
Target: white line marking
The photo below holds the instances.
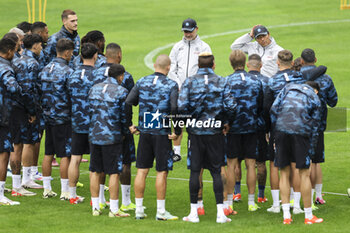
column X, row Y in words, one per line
column 148, row 60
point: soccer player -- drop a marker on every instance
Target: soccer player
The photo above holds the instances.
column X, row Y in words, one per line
column 20, row 34
column 97, row 38
column 242, row 139
column 295, row 119
column 25, row 27
column 254, row 67
column 264, row 45
column 68, row 31
column 25, row 133
column 114, row 56
column 202, row 97
column 8, row 87
column 156, row 95
column 42, row 30
column 108, row 125
column 79, row 85
column 56, row 105
column 328, row 96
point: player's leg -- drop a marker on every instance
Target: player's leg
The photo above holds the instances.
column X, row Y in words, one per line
column 200, row 203
column 230, row 179
column 139, row 188
column 4, row 159
column 94, row 190
column 296, row 189
column 318, row 159
column 251, row 182
column 284, row 185
column 27, row 161
column 177, row 148
column 238, row 177
column 47, row 162
column 15, row 162
column 261, row 166
column 318, row 185
column 73, row 177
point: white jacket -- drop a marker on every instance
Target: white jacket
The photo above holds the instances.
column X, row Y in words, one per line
column 268, row 54
column 184, row 58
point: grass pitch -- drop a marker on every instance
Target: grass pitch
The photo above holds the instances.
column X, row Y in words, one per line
column 141, row 26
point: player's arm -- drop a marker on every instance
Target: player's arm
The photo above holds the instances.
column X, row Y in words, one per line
column 50, row 48
column 183, row 100
column 174, row 94
column 243, row 42
column 332, row 96
column 173, row 73
column 133, row 97
column 124, row 114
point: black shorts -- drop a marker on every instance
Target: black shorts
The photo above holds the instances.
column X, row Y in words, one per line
column 23, row 132
column 80, row 144
column 206, row 151
column 292, row 148
column 318, row 157
column 154, row 146
column 106, row 158
column 262, row 147
column 5, row 140
column 58, row 140
column 242, row 146
column 129, row 149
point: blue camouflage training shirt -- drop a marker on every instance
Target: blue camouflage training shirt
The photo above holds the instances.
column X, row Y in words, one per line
column 156, row 96
column 247, row 90
column 101, row 60
column 204, row 98
column 328, row 95
column 107, row 113
column 79, row 84
column 55, row 99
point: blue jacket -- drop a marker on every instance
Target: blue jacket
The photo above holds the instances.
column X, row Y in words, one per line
column 156, row 96
column 204, row 98
column 52, row 42
column 9, row 90
column 296, row 110
column 55, row 99
column 101, row 60
column 107, row 113
column 328, row 95
column 247, row 90
column 79, row 84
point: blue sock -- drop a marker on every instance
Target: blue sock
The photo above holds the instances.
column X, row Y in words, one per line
column 261, row 191
column 238, row 187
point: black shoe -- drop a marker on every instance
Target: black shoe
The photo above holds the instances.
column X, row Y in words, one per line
column 176, row 157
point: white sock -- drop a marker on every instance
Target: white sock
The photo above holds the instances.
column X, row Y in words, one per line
column 286, row 211
column 194, row 208
column 308, row 212
column 102, row 194
column 220, row 210
column 312, row 195
column 318, row 189
column 33, row 170
column 64, row 185
column 16, row 181
column 72, row 192
column 161, row 206
column 226, row 204
column 297, row 196
column 95, row 203
column 200, row 204
column 251, row 198
column 177, row 150
column 275, row 197
column 47, row 182
column 2, row 188
column 114, row 205
column 291, row 197
column 26, row 175
column 126, row 194
column 139, row 204
column 230, row 199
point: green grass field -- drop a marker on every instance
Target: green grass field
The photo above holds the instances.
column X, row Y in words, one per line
column 141, row 26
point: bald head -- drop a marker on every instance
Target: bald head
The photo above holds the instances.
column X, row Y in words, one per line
column 162, row 64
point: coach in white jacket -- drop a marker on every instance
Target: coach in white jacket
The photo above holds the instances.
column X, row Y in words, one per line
column 264, row 45
column 184, row 54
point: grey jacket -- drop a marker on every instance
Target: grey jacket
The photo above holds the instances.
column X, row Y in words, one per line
column 268, row 54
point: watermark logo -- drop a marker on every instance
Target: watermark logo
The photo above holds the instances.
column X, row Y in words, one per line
column 152, row 120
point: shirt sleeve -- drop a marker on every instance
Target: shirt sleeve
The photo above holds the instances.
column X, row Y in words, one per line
column 242, row 43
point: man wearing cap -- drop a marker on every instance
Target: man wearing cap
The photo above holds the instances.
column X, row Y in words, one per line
column 264, row 45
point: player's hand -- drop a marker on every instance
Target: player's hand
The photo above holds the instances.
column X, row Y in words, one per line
column 252, row 31
column 173, row 136
column 225, row 129
column 32, row 119
column 134, row 130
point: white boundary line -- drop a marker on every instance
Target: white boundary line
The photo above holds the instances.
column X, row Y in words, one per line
column 148, row 59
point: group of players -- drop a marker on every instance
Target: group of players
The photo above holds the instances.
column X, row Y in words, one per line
column 276, row 111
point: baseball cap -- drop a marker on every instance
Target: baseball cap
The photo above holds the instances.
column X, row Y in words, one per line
column 260, row 30
column 189, row 25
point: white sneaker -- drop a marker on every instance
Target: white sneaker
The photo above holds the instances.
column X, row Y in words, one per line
column 49, row 193
column 222, row 219
column 274, row 209
column 5, row 201
column 32, row 185
column 21, row 192
column 191, row 218
column 37, row 176
column 64, row 196
column 297, row 210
